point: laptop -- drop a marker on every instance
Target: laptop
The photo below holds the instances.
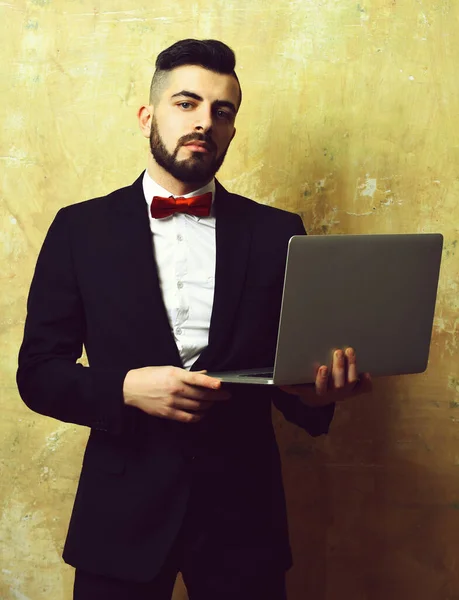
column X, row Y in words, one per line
column 374, row 293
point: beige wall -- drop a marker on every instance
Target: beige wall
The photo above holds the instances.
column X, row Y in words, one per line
column 349, row 117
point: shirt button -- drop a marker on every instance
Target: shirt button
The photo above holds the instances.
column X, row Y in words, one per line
column 179, row 284
column 178, row 331
column 180, row 237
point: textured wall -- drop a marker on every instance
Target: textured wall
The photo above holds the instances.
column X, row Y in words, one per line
column 350, row 118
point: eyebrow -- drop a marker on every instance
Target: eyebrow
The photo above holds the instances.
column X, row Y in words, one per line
column 187, row 94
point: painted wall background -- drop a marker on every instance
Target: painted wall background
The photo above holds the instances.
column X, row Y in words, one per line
column 350, row 117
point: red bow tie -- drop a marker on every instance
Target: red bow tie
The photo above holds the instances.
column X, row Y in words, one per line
column 199, row 206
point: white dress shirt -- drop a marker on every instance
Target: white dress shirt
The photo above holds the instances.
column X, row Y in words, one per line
column 184, row 248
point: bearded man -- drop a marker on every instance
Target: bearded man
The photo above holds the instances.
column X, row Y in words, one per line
column 162, row 281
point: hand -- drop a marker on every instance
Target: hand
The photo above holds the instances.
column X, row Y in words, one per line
column 172, row 393
column 342, row 382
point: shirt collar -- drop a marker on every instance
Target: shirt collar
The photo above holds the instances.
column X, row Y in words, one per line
column 151, row 188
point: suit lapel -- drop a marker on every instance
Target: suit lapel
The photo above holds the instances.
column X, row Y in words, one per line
column 233, row 236
column 138, row 276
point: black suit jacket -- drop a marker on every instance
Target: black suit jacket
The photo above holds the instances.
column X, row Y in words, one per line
column 96, row 284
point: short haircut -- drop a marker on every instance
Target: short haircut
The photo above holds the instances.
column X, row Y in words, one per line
column 209, row 54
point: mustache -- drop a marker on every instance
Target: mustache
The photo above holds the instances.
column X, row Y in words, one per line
column 197, row 137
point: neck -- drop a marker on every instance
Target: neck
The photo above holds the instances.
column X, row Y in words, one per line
column 168, row 182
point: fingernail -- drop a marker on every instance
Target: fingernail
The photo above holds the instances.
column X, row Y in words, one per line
column 350, row 352
column 324, row 371
column 339, row 354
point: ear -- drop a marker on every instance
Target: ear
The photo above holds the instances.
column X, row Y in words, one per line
column 144, row 116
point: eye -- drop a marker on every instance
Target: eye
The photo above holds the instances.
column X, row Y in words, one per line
column 224, row 114
column 185, row 105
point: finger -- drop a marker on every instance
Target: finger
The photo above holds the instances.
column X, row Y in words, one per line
column 338, row 369
column 201, row 379
column 365, row 384
column 206, row 395
column 184, row 416
column 195, row 392
column 352, row 375
column 188, row 405
column 322, row 381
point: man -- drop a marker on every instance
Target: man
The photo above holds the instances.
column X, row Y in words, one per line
column 180, row 473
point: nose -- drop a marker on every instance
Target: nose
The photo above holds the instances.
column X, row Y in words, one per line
column 204, row 120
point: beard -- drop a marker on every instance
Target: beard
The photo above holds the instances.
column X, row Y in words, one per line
column 196, row 169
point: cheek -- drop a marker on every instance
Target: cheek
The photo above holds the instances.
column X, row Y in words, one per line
column 223, row 140
column 170, row 132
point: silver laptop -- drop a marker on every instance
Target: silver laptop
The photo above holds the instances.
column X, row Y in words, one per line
column 375, row 293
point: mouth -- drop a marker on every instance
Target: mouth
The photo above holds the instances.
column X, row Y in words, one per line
column 197, row 146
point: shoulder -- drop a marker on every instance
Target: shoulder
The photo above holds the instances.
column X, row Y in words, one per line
column 114, row 199
column 92, row 213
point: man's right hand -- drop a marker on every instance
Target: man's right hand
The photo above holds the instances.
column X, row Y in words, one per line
column 172, row 393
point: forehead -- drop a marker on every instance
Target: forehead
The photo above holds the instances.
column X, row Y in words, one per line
column 207, row 84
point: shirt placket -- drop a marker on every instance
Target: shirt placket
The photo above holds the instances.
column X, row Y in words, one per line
column 181, row 271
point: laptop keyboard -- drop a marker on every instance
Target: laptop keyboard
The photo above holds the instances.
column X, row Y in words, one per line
column 264, row 374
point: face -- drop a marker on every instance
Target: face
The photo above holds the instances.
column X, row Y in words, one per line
column 193, row 123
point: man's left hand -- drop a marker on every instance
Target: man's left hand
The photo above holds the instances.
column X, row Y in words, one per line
column 333, row 385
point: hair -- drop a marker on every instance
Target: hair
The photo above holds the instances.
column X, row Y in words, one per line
column 209, row 54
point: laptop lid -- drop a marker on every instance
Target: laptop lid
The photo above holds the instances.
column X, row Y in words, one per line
column 375, row 293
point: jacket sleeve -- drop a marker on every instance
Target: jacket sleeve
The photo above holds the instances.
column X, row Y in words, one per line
column 50, row 380
column 315, row 420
